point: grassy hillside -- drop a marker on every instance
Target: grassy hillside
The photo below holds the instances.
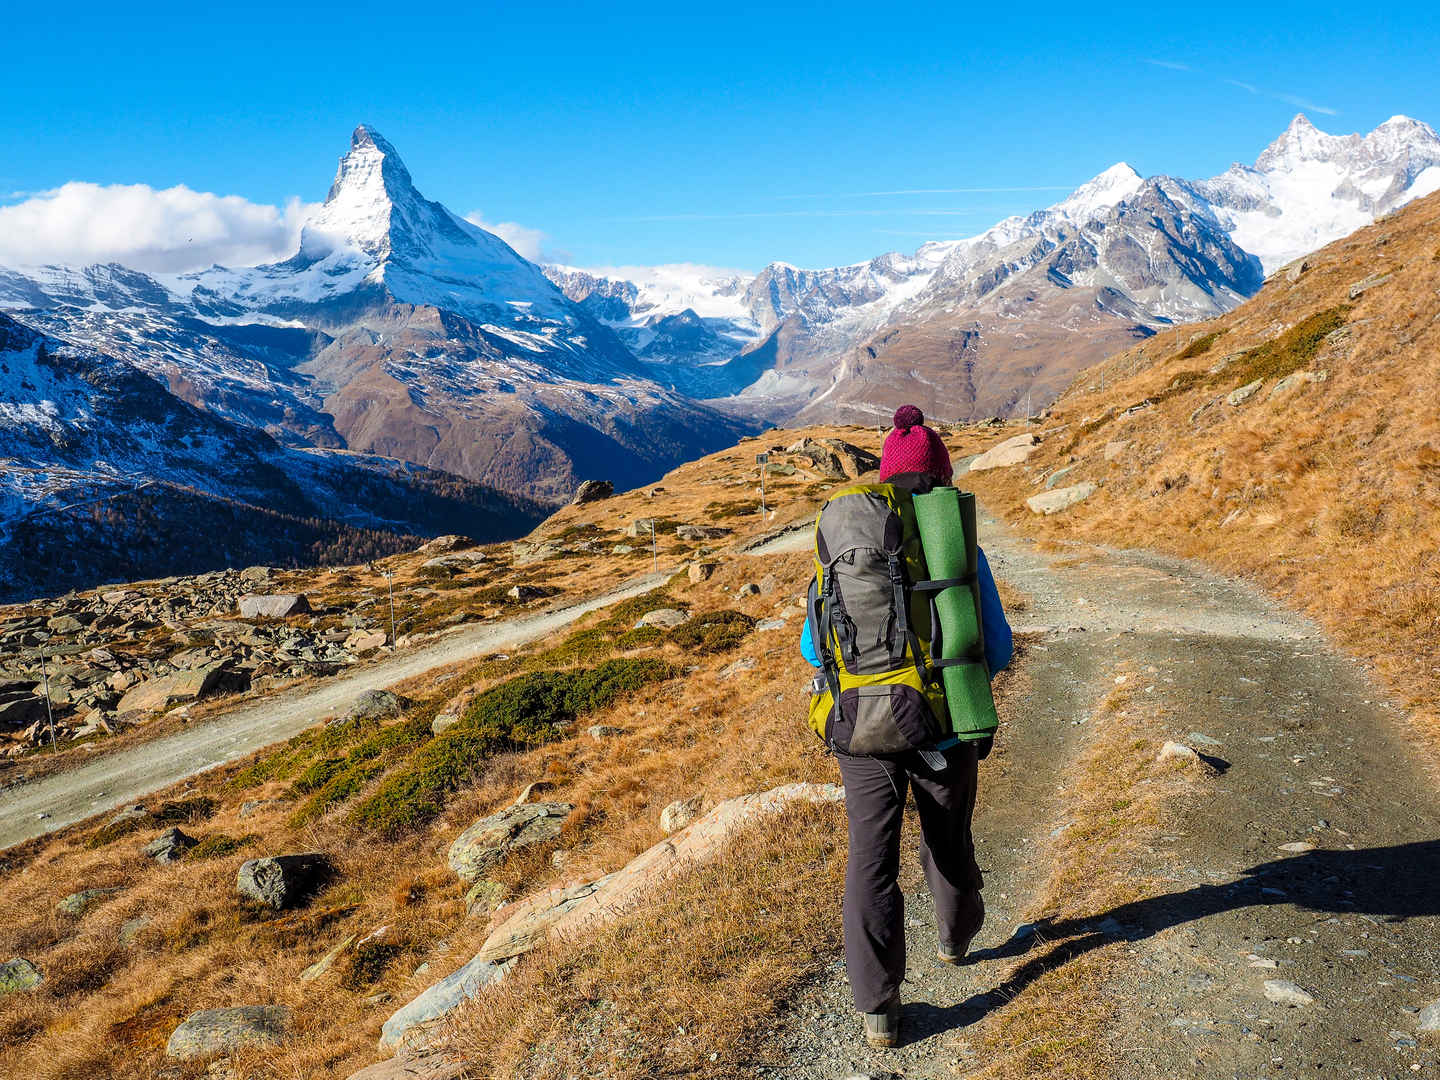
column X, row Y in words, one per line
column 1322, row 484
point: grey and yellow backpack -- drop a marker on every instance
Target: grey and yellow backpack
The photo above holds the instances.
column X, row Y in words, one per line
column 870, row 616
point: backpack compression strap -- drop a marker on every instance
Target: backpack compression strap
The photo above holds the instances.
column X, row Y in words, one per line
column 820, row 638
column 935, row 586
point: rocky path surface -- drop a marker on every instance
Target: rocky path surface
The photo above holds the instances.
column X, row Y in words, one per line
column 1312, row 859
column 33, row 809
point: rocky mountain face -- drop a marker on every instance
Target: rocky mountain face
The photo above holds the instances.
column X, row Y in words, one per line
column 973, row 327
column 398, row 328
column 106, row 474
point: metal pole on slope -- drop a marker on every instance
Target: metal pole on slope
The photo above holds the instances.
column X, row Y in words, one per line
column 390, row 583
column 654, row 550
column 762, row 460
column 49, row 709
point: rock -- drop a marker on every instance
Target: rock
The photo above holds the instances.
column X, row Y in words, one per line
column 1013, row 451
column 770, row 624
column 442, row 544
column 1052, row 502
column 483, row 897
column 131, row 929
column 664, row 618
column 1240, row 395
column 702, row 571
column 1177, row 751
column 491, row 838
column 1297, row 379
column 748, row 589
column 273, row 605
column 443, row 723
column 211, row 1032
column 18, row 975
column 326, row 962
column 526, row 924
column 525, row 593
column 77, row 903
column 1360, row 288
column 701, row 532
column 152, row 695
column 283, row 881
column 530, row 790
column 680, row 813
column 1054, row 478
column 170, row 846
column 1429, row 1019
column 1298, row 847
column 21, row 710
column 639, row 529
column 365, row 642
column 621, row 549
column 603, row 731
column 1295, row 269
column 254, row 806
column 441, row 998
column 730, row 670
column 1285, row 992
column 378, row 705
column 526, row 553
column 854, row 461
column 430, row 1066
column 592, row 491
column 1113, row 450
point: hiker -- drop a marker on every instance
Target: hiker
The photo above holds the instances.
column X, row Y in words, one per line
column 943, row 775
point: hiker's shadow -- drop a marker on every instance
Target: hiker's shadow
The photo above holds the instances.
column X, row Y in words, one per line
column 1391, row 884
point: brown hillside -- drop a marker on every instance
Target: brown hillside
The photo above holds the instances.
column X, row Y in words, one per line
column 1323, row 484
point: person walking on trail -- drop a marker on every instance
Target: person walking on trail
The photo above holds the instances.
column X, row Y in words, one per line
column 942, row 771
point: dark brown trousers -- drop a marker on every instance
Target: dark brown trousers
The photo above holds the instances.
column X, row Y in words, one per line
column 874, row 905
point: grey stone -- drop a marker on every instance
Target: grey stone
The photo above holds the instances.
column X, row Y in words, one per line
column 326, row 962
column 592, row 491
column 535, row 787
column 211, row 1032
column 77, row 903
column 748, row 589
column 1178, row 751
column 1296, row 379
column 1242, row 394
column 1360, row 288
column 1429, row 1019
column 603, row 731
column 770, row 624
column 1285, row 992
column 175, row 689
column 282, row 881
column 18, row 975
column 483, row 897
column 1053, row 480
column 273, row 605
column 524, row 593
column 1013, row 451
column 680, row 813
column 701, row 571
column 378, row 705
column 729, row 671
column 701, row 532
column 443, row 723
column 131, row 929
column 1052, row 502
column 491, row 838
column 441, row 998
column 664, row 618
column 1113, row 450
column 169, row 846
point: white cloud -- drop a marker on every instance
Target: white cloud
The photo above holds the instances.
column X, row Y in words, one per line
column 525, row 240
column 158, row 231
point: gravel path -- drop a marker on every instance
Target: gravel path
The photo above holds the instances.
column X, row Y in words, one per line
column 33, row 809
column 1310, row 755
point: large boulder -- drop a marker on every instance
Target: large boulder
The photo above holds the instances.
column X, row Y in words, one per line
column 211, row 1032
column 854, row 461
column 441, row 544
column 1013, row 451
column 592, row 491
column 378, row 705
column 273, row 605
column 178, row 688
column 283, row 881
column 665, row 618
column 1052, row 502
column 77, row 903
column 18, row 975
column 491, row 838
column 441, row 998
column 695, row 533
column 19, row 709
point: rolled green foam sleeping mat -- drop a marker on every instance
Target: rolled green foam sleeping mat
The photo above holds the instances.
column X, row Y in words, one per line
column 946, row 518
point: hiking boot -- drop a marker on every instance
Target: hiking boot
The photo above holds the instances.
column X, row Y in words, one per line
column 955, row 954
column 882, row 1029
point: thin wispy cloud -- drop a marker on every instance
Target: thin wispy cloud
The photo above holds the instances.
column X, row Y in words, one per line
column 932, row 191
column 1308, row 106
column 1250, row 88
column 968, row 211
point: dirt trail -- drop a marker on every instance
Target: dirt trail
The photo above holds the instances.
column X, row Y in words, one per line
column 1309, row 754
column 30, row 810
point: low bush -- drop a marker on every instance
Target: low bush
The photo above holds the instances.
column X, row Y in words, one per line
column 713, row 631
column 1200, row 346
column 1289, row 352
column 520, row 713
column 218, row 845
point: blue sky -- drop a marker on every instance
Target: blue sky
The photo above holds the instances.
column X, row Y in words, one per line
column 635, row 134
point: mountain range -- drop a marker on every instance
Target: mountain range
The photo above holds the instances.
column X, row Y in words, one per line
column 404, row 348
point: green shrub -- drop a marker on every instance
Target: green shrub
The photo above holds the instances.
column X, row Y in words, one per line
column 522, row 712
column 719, row 510
column 218, row 846
column 1200, row 346
column 1289, row 352
column 347, row 776
column 713, row 631
column 369, row 963
column 175, row 812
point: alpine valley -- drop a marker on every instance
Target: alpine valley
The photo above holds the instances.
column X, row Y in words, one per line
column 404, row 366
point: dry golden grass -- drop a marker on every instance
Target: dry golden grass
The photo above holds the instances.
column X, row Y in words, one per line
column 1327, row 494
column 1061, row 1018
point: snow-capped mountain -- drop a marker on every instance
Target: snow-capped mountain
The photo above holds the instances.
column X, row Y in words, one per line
column 397, row 328
column 104, row 473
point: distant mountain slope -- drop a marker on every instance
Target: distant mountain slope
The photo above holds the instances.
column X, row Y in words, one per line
column 104, row 474
column 398, row 328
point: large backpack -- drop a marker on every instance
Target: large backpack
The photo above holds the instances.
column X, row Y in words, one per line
column 878, row 693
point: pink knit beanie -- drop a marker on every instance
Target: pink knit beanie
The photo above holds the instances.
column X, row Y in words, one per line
column 914, row 448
